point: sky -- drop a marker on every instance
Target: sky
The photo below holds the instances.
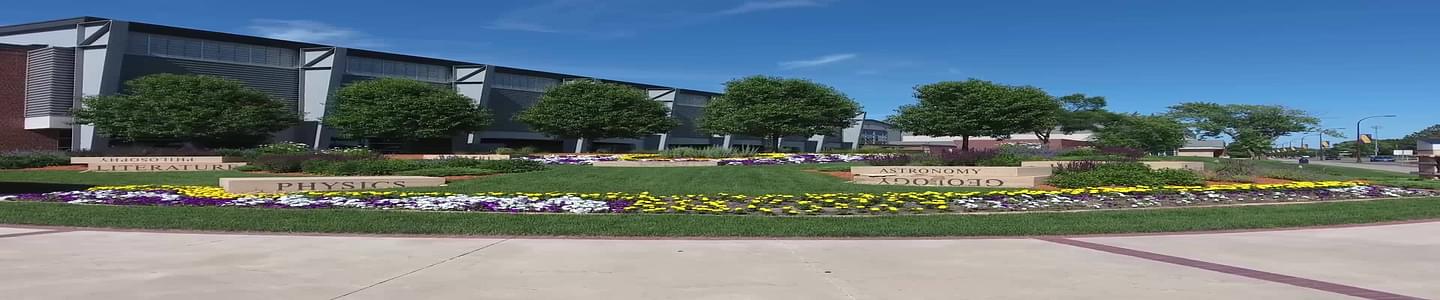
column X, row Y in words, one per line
column 1340, row 60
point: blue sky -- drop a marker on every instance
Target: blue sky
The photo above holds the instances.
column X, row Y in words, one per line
column 1337, row 59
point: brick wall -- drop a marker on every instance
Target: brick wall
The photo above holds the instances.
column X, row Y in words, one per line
column 13, row 135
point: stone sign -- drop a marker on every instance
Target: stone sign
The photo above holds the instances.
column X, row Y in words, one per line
column 951, row 171
column 967, row 181
column 145, row 159
column 469, row 156
column 656, row 164
column 161, row 167
column 301, row 184
column 1009, row 177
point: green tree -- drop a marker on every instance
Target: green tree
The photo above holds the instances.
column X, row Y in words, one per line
column 1153, row 134
column 1408, row 142
column 975, row 108
column 197, row 110
column 403, row 110
column 593, row 110
column 773, row 107
column 1253, row 128
column 1083, row 112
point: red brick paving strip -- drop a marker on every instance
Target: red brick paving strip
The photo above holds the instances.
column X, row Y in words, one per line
column 31, row 233
column 1233, row 270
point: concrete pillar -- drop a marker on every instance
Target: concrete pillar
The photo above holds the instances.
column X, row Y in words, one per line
column 321, row 70
column 470, row 82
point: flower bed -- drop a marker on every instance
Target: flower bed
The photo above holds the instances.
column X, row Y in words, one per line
column 759, row 159
column 770, row 204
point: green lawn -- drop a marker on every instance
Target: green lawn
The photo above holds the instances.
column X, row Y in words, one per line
column 400, row 222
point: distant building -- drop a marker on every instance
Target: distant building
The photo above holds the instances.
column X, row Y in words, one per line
column 1427, row 147
column 47, row 67
column 871, row 132
column 1199, row 148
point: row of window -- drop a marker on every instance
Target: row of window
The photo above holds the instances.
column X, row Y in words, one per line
column 691, row 100
column 171, row 46
column 396, row 69
column 521, row 82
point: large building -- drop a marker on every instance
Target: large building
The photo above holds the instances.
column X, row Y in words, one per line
column 47, row 67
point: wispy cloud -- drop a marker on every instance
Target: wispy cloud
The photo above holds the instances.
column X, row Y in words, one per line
column 818, row 61
column 313, row 31
column 757, row 6
column 516, row 25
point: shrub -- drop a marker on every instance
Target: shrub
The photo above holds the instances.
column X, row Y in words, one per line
column 1002, row 160
column 353, row 151
column 1127, row 153
column 889, row 160
column 1124, row 174
column 1025, row 152
column 1076, row 166
column 1235, row 170
column 282, row 148
column 32, row 159
column 505, row 151
column 966, row 158
column 1078, row 152
column 1177, row 177
column 442, row 172
column 360, row 167
column 293, row 162
column 351, row 166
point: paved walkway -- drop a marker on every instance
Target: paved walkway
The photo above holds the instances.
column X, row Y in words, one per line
column 1399, row 261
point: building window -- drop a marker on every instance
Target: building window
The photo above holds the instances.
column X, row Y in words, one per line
column 691, row 100
column 522, row 82
column 373, row 67
column 198, row 49
column 872, row 136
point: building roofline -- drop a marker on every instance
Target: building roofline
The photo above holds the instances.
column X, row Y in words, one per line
column 46, row 25
column 251, row 39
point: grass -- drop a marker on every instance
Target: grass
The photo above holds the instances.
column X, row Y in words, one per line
column 493, row 224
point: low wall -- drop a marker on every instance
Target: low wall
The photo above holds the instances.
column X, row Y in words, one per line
column 161, row 167
column 1186, row 165
column 145, row 159
column 656, row 164
column 1007, row 177
column 301, row 184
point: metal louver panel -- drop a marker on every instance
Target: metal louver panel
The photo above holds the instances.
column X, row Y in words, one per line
column 49, row 82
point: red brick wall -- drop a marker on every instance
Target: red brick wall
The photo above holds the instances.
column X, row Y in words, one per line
column 13, row 135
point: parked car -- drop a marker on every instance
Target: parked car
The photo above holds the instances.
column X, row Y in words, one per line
column 1382, row 158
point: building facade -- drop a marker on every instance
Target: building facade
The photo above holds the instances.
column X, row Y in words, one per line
column 46, row 68
column 1058, row 140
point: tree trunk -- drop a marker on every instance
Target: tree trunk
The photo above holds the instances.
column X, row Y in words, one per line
column 771, row 143
column 1044, row 138
column 964, row 143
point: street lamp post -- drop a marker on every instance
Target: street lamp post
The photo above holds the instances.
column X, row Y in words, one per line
column 1357, row 134
column 1321, row 145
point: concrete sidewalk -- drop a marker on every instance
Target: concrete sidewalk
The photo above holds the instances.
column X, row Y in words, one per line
column 1340, row 263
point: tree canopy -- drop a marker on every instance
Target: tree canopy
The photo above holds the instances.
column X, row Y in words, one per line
column 1253, row 128
column 596, row 110
column 403, row 110
column 774, row 107
column 1083, row 112
column 204, row 110
column 976, row 108
column 1153, row 134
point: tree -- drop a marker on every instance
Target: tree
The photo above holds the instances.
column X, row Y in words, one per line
column 1083, row 113
column 204, row 110
column 403, row 110
column 592, row 110
column 1150, row 133
column 1039, row 113
column 974, row 108
column 1253, row 128
column 1408, row 142
column 773, row 107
